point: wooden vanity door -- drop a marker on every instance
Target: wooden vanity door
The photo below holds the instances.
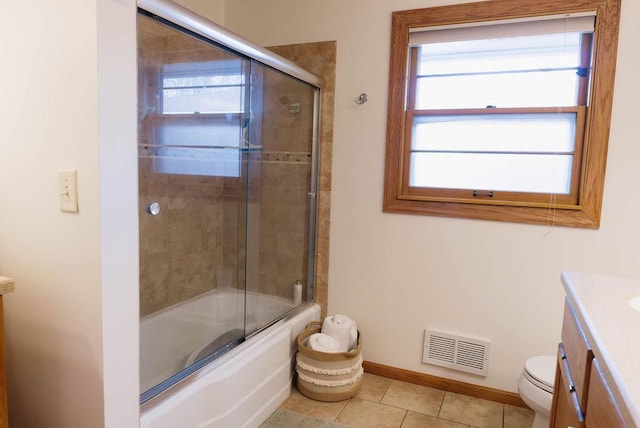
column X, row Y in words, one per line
column 565, row 409
column 602, row 410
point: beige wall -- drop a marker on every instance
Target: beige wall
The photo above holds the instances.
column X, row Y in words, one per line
column 212, row 9
column 71, row 340
column 117, row 132
column 68, row 85
column 397, row 274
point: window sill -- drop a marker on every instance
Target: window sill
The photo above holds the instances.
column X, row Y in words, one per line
column 577, row 216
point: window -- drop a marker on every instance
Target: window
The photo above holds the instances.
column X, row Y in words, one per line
column 203, row 87
column 500, row 116
column 203, row 117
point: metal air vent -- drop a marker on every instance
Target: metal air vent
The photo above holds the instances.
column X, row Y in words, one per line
column 465, row 354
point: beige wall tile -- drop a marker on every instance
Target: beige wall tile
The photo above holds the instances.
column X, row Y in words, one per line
column 318, row 58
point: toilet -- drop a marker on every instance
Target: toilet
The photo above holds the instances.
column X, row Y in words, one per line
column 536, row 387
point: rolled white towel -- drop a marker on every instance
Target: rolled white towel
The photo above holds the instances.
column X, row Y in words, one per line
column 343, row 329
column 323, row 343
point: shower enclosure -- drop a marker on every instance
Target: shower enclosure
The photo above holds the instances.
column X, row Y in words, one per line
column 227, row 185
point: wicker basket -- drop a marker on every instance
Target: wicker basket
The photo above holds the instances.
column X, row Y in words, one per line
column 325, row 376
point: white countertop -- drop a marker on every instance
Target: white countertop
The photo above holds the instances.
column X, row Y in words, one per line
column 612, row 327
column 7, row 285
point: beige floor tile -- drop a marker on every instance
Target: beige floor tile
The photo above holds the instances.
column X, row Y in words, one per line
column 319, row 409
column 373, row 387
column 417, row 398
column 418, row 420
column 361, row 413
column 471, row 411
column 517, row 417
column 283, row 418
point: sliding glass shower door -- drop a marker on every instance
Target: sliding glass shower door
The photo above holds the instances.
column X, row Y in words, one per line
column 226, row 196
column 281, row 205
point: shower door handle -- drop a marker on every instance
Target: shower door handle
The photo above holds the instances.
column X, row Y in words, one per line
column 153, row 208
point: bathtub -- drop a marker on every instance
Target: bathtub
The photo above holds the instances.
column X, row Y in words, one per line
column 240, row 388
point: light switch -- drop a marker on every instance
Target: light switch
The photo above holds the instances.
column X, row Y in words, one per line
column 68, row 186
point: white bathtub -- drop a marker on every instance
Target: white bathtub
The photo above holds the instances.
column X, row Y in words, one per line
column 239, row 389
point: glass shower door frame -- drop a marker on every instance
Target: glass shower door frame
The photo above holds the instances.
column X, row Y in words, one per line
column 190, row 23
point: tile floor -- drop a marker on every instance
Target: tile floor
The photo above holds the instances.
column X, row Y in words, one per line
column 384, row 402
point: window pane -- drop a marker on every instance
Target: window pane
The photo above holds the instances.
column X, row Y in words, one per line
column 497, row 172
column 491, row 55
column 204, row 86
column 201, row 80
column 514, row 72
column 198, row 146
column 211, row 162
column 535, row 89
column 228, row 99
column 554, row 132
column 200, row 132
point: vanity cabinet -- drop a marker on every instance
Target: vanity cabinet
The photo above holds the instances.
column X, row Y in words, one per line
column 602, row 409
column 572, row 374
column 566, row 411
column 4, row 408
column 596, row 344
column 6, row 286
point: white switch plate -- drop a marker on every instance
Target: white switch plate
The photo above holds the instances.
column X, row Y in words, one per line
column 68, row 186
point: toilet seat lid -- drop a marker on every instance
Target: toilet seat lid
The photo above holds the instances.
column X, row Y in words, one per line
column 542, row 369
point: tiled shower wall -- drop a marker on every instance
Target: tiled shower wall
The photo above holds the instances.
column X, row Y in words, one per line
column 285, row 180
column 320, row 59
column 197, row 243
column 183, row 248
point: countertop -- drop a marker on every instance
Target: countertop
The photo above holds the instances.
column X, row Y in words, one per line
column 612, row 327
column 7, row 285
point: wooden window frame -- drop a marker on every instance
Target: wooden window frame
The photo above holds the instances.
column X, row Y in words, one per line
column 583, row 208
